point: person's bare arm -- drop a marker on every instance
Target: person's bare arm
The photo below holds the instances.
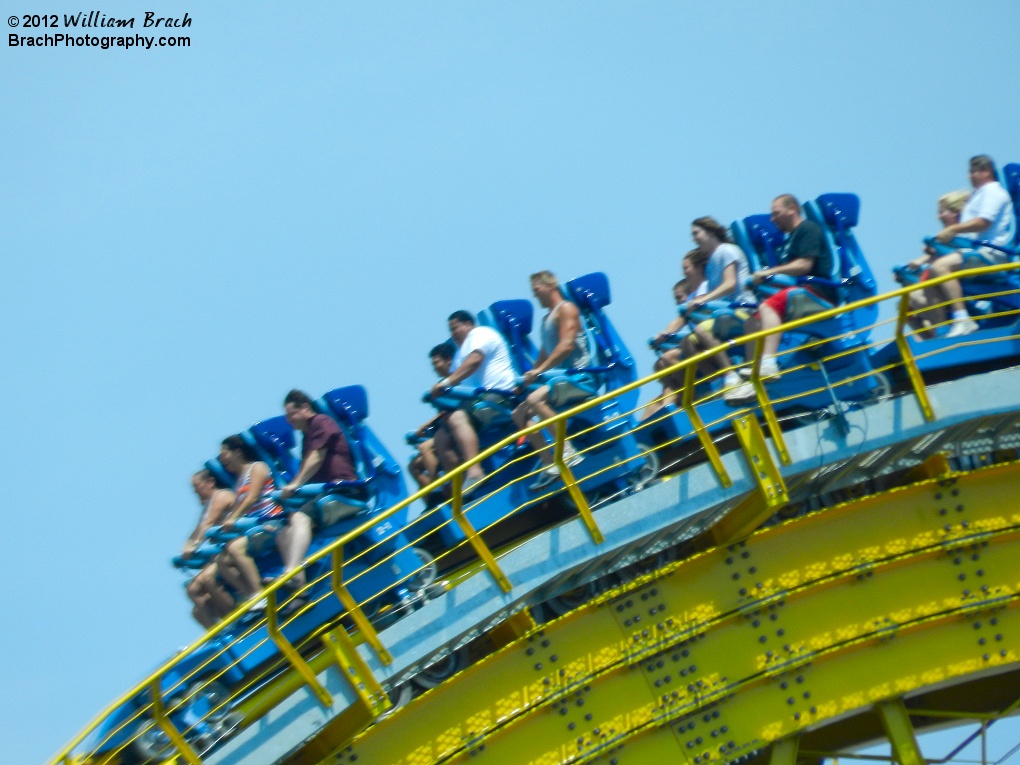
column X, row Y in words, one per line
column 464, row 371
column 259, row 474
column 796, row 267
column 726, row 288
column 309, row 466
column 972, row 226
column 671, row 329
column 218, row 505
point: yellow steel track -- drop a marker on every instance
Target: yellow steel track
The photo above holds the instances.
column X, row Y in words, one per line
column 718, row 655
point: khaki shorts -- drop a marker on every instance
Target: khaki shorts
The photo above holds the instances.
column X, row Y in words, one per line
column 331, row 511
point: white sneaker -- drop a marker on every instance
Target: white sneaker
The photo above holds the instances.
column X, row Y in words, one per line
column 546, row 477
column 571, row 455
column 551, row 473
column 731, row 380
column 961, row 327
column 769, row 369
column 469, row 483
column 742, row 394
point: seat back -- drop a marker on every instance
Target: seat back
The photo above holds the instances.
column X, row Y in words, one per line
column 348, row 406
column 760, row 240
column 273, row 440
column 838, row 214
column 1011, row 181
column 513, row 320
column 224, row 477
column 590, row 293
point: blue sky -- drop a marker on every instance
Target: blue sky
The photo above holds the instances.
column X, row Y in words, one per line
column 302, row 196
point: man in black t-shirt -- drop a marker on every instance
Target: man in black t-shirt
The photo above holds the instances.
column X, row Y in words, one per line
column 805, row 253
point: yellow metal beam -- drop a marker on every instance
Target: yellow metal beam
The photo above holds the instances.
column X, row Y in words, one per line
column 757, row 506
column 357, row 672
column 474, row 538
column 291, row 654
column 907, row 354
column 704, row 437
column 159, row 717
column 742, row 628
column 900, row 732
column 576, row 495
column 784, row 751
column 354, row 610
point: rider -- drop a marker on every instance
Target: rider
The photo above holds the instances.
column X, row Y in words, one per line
column 803, row 253
column 563, row 347
column 693, row 283
column 726, row 277
column 482, row 360
column 325, row 458
column 424, row 466
column 950, row 207
column 210, row 601
column 253, row 499
column 987, row 216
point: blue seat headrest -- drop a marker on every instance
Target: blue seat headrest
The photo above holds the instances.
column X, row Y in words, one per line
column 590, row 291
column 485, row 319
column 507, row 314
column 275, row 435
column 1011, row 175
column 764, row 235
column 348, row 404
column 840, row 210
column 223, row 476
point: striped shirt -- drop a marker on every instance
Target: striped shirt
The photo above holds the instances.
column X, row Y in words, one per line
column 265, row 506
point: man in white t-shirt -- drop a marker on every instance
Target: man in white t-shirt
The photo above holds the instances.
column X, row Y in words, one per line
column 482, row 360
column 988, row 216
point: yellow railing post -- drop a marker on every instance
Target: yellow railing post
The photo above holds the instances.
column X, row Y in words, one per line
column 572, row 488
column 473, row 537
column 357, row 672
column 907, row 353
column 364, row 625
column 765, row 404
column 699, row 428
column 290, row 652
column 166, row 725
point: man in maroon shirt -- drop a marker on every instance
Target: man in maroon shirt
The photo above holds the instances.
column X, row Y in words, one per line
column 325, row 457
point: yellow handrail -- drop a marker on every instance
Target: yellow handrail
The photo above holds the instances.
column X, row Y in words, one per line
column 456, row 475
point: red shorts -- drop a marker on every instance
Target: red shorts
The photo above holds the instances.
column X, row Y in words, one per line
column 778, row 301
